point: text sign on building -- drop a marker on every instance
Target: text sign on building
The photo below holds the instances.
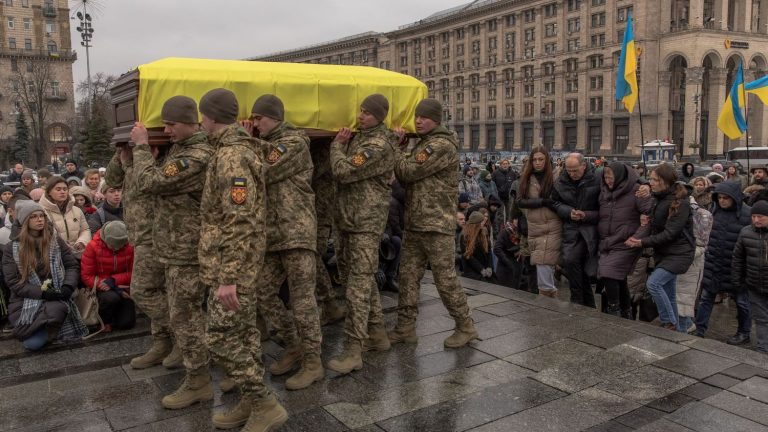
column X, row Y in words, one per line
column 736, row 44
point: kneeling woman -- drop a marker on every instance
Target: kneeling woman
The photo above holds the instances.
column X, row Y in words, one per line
column 42, row 273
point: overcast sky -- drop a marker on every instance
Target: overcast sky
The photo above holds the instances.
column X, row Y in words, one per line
column 128, row 33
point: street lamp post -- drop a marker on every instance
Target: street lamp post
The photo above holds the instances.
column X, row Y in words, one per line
column 86, row 33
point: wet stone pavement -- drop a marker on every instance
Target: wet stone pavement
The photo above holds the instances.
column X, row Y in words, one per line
column 542, row 365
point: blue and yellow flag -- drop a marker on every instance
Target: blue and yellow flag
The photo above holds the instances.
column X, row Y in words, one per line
column 626, row 76
column 731, row 120
column 759, row 87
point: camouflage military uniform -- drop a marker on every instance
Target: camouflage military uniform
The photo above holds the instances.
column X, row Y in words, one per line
column 428, row 174
column 232, row 245
column 291, row 230
column 362, row 172
column 178, row 187
column 148, row 277
column 322, row 184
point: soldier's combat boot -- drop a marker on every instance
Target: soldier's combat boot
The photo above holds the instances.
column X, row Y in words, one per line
column 332, row 312
column 349, row 360
column 234, row 417
column 462, row 334
column 227, row 384
column 174, row 359
column 195, row 388
column 405, row 333
column 291, row 357
column 311, row 370
column 377, row 339
column 160, row 349
column 267, row 415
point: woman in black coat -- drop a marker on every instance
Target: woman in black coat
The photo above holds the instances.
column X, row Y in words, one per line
column 729, row 215
column 671, row 239
column 42, row 273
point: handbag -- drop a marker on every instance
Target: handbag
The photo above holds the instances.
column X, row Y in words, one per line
column 88, row 305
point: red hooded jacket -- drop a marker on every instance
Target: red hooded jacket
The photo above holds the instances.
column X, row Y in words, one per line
column 100, row 261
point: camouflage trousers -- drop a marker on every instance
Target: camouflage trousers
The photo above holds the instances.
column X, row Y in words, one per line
column 298, row 266
column 234, row 343
column 358, row 258
column 324, row 287
column 437, row 249
column 148, row 290
column 185, row 301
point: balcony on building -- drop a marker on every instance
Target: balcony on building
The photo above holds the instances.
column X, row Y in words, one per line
column 49, row 11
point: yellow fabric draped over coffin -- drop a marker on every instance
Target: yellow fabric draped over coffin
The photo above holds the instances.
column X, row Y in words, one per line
column 325, row 97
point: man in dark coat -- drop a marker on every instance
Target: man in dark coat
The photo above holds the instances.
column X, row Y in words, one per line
column 504, row 177
column 730, row 216
column 16, row 173
column 576, row 201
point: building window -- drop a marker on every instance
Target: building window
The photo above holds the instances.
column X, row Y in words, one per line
column 459, row 33
column 27, row 24
column 459, row 82
column 476, row 46
column 623, row 13
column 24, row 3
column 595, row 61
column 574, row 25
column 529, row 15
column 475, row 95
column 12, row 43
column 460, row 99
column 459, row 114
column 445, row 36
column 491, row 77
column 460, row 65
column 574, row 5
column 571, row 65
column 596, row 82
column 529, row 89
column 597, row 40
column 620, row 35
column 598, row 2
column 446, row 67
column 52, row 49
column 30, row 67
column 572, row 85
column 620, row 138
column 509, row 136
column 595, row 105
column 509, row 41
column 444, row 84
column 527, row 71
column 475, row 62
column 530, row 53
column 474, row 138
column 430, row 70
column 571, row 106
column 550, row 30
column 573, row 44
column 528, row 109
column 492, row 112
column 492, row 94
column 55, row 88
column 549, row 87
column 446, row 52
column 431, row 40
column 509, row 111
column 550, row 48
column 509, row 92
column 492, row 43
column 548, row 68
column 598, row 20
column 446, row 99
column 460, row 49
column 10, row 22
column 475, row 113
column 28, row 44
column 530, row 34
column 475, row 28
column 404, row 46
column 595, row 138
column 510, row 20
column 550, row 10
column 417, row 72
column 474, row 79
column 492, row 25
column 490, row 135
column 14, row 65
column 9, row 2
column 492, row 60
column 509, row 74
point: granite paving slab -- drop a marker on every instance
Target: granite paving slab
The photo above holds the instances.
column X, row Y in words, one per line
column 500, row 371
column 649, row 349
column 671, row 402
column 700, row 391
column 445, row 361
column 313, row 420
column 646, row 384
column 696, row 364
column 740, row 405
column 577, row 374
column 739, row 354
column 722, row 381
column 94, row 421
column 707, row 418
column 664, row 425
column 607, row 336
column 609, row 426
column 198, row 421
column 481, row 300
column 515, row 342
column 640, row 417
column 550, row 355
column 434, row 325
column 755, row 388
column 495, row 326
column 744, row 371
column 505, row 308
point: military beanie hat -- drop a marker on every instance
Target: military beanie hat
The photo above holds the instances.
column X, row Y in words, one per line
column 180, row 109
column 431, row 109
column 376, row 104
column 220, row 105
column 269, row 106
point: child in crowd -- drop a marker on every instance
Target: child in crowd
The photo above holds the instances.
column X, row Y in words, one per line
column 83, row 200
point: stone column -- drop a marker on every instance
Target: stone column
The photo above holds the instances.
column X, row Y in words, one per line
column 721, row 14
column 746, row 22
column 693, row 79
column 763, row 13
column 717, row 81
column 665, row 17
column 696, row 14
column 663, row 128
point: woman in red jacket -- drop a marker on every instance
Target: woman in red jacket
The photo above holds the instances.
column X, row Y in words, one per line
column 106, row 267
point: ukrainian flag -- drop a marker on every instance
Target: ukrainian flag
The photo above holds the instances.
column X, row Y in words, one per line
column 731, row 120
column 760, row 88
column 626, row 76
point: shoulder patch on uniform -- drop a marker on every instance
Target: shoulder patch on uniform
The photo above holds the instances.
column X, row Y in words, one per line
column 423, row 155
column 361, row 158
column 239, row 190
column 173, row 169
column 275, row 153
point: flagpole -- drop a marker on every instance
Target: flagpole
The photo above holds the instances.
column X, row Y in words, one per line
column 746, row 119
column 642, row 136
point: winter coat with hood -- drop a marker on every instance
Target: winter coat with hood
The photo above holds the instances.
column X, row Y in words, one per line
column 99, row 261
column 70, row 223
column 687, row 172
column 703, row 198
column 671, row 235
column 620, row 212
column 544, row 227
column 487, row 186
column 83, row 191
column 750, row 260
column 504, row 179
column 51, row 312
column 584, row 195
column 726, row 227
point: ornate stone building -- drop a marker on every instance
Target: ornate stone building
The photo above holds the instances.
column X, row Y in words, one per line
column 32, row 33
column 515, row 73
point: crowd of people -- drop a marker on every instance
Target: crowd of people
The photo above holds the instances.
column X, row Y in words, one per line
column 625, row 234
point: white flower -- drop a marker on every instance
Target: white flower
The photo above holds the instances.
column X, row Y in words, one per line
column 46, row 285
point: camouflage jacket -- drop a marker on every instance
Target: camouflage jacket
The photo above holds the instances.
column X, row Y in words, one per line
column 428, row 174
column 291, row 222
column 322, row 184
column 178, row 185
column 138, row 207
column 233, row 238
column 362, row 172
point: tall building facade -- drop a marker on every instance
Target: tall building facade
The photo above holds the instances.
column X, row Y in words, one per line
column 512, row 74
column 36, row 49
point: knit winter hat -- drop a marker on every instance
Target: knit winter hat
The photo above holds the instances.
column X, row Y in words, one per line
column 24, row 208
column 73, row 179
column 220, row 105
column 115, row 235
column 180, row 109
column 5, row 189
column 376, row 104
column 760, row 208
column 431, row 109
column 476, row 218
column 269, row 105
column 463, row 197
column 484, row 174
column 28, row 174
column 70, row 161
column 43, row 173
